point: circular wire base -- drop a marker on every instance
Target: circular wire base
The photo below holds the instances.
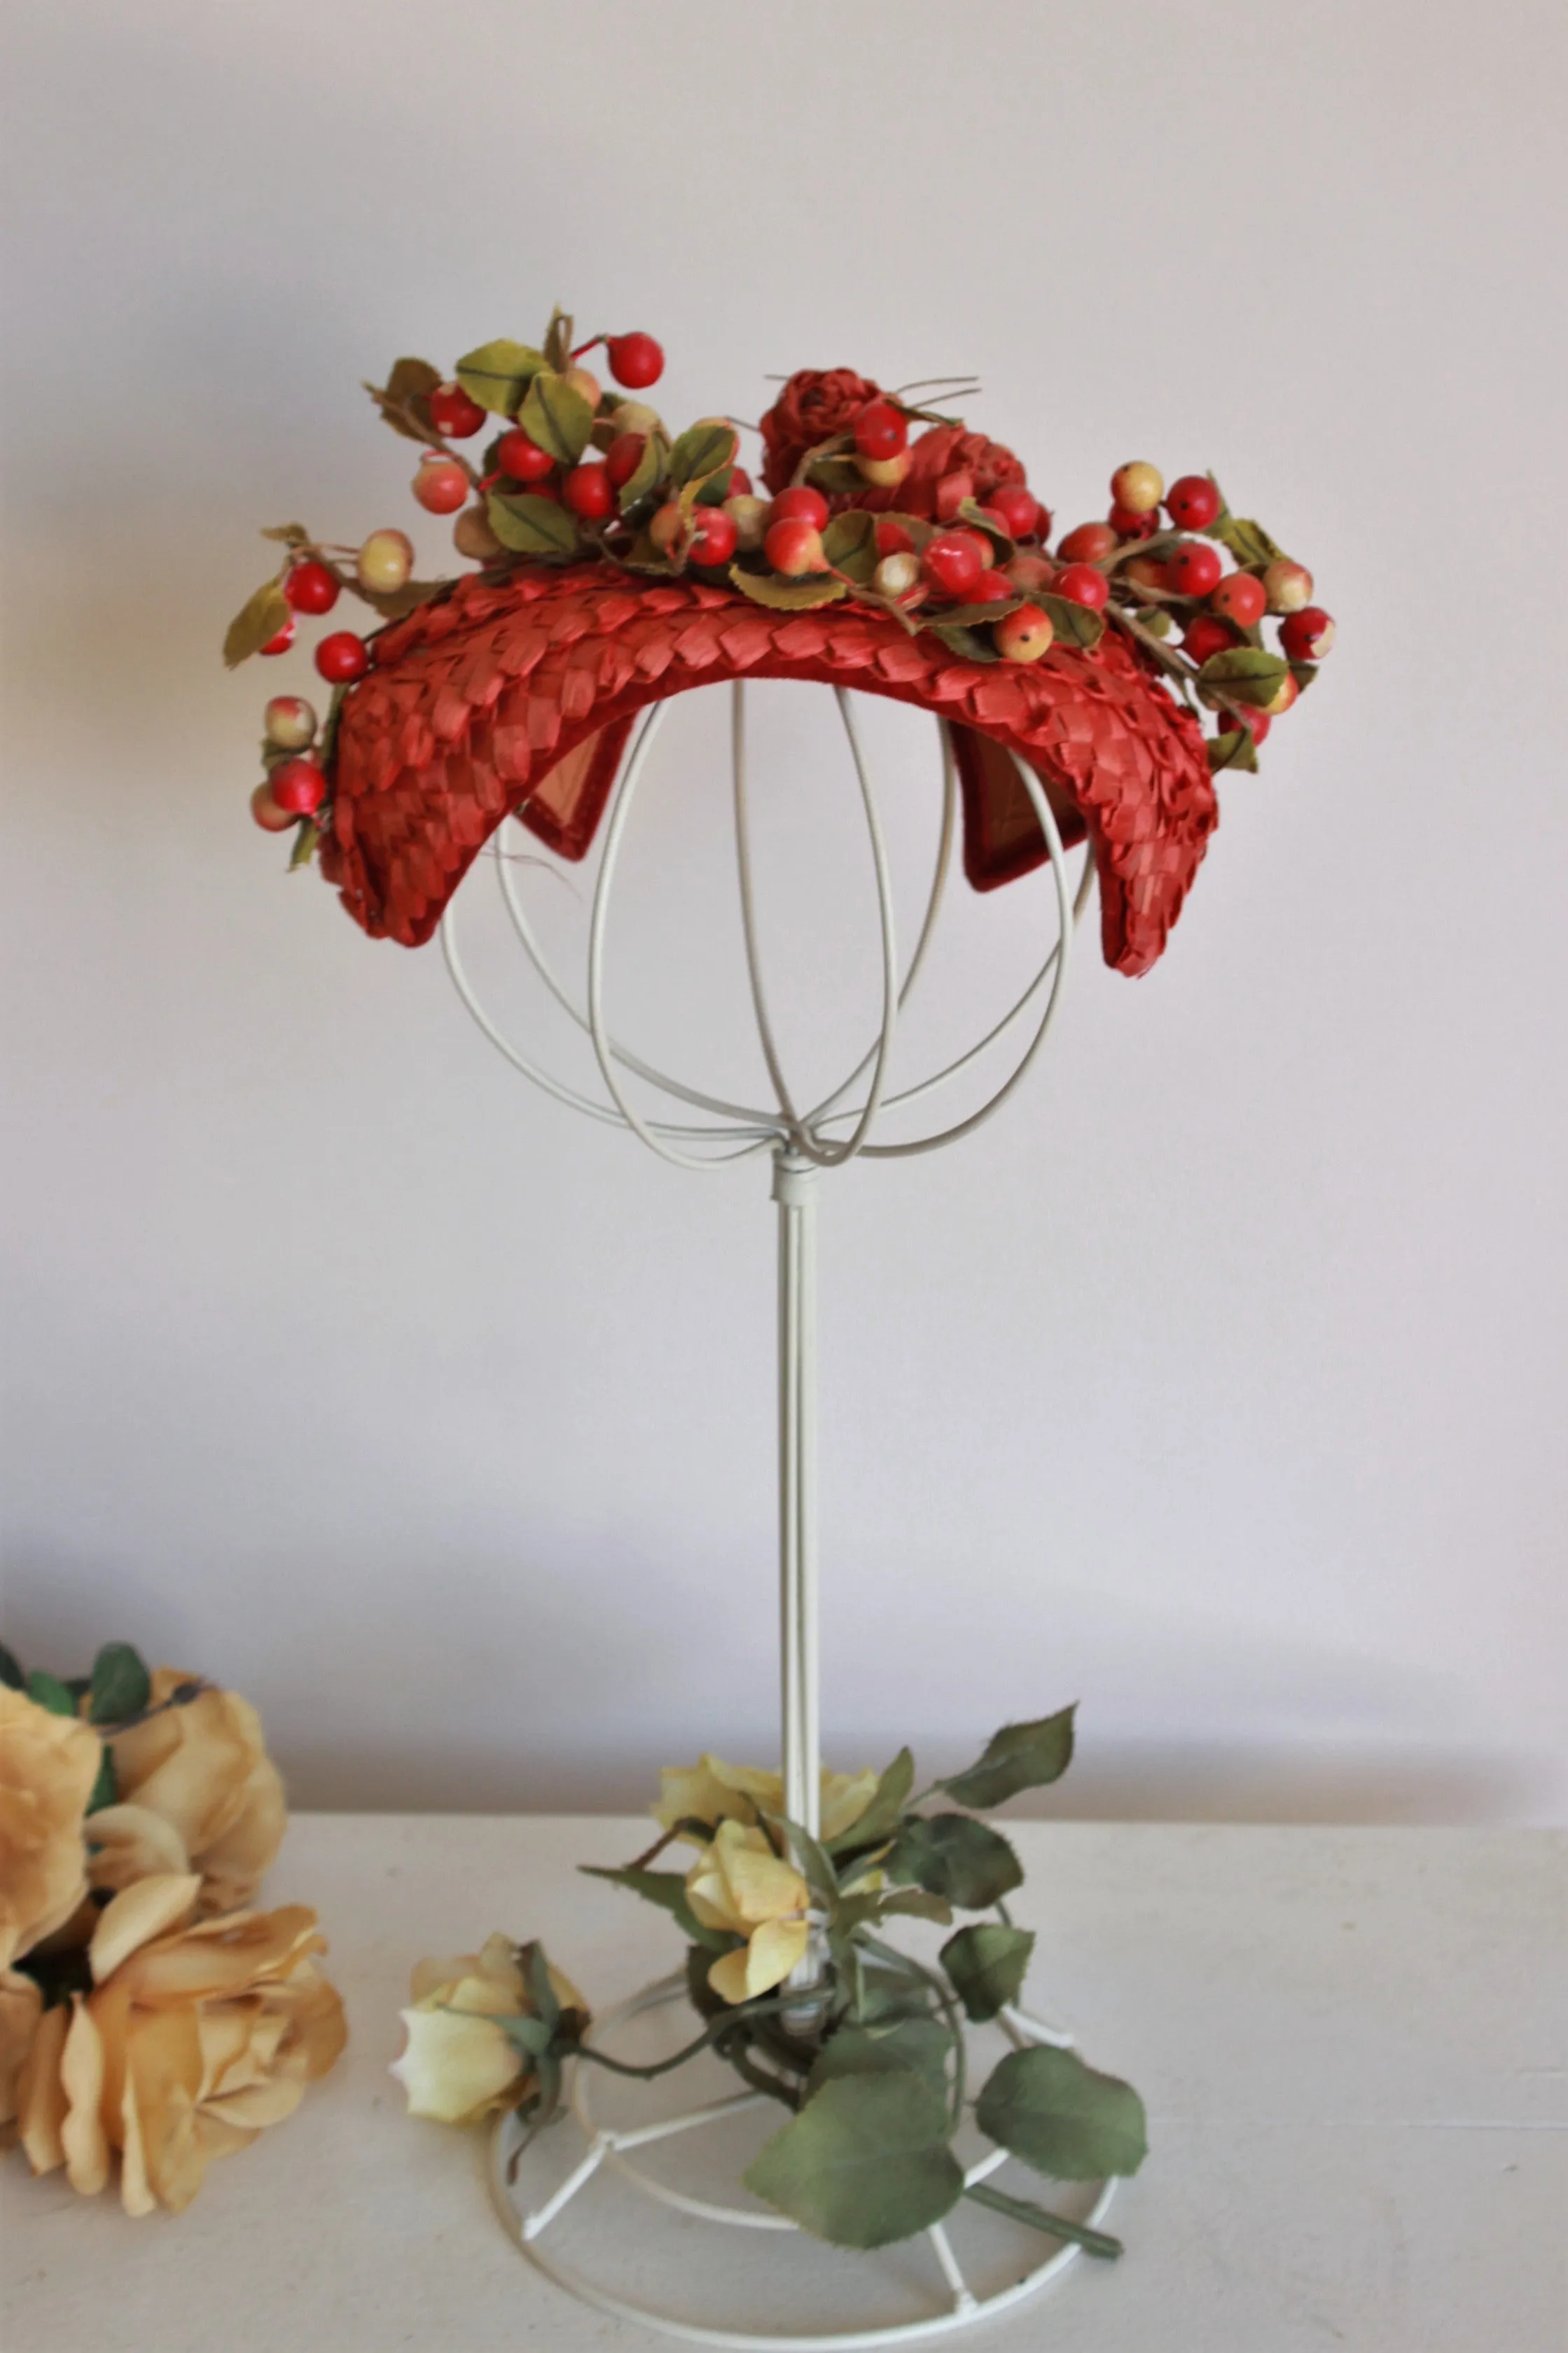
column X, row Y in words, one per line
column 919, row 2282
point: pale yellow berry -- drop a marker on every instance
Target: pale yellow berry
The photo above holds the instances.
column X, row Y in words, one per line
column 385, row 561
column 587, row 385
column 1024, row 635
column 750, row 517
column 1288, row 585
column 897, row 573
column 885, row 473
column 1137, row 487
column 667, row 527
column 290, row 722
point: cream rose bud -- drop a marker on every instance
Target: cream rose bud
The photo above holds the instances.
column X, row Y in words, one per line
column 897, row 573
column 386, row 562
column 458, row 2062
column 750, row 517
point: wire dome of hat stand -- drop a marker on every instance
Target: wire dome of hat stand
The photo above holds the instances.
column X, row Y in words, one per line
column 803, row 1141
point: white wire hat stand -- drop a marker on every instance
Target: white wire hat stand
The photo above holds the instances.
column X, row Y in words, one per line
column 803, row 1141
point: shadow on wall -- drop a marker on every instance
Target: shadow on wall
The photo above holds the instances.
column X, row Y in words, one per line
column 1153, row 1781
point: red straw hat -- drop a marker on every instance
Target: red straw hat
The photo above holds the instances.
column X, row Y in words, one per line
column 894, row 560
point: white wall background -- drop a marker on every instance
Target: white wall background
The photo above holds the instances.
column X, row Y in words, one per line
column 1222, row 1384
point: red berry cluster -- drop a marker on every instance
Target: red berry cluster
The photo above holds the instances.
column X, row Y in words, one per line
column 936, row 527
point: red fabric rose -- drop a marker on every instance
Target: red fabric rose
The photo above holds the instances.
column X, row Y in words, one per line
column 815, row 405
column 943, row 452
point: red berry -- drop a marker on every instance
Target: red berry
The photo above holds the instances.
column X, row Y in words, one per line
column 893, row 539
column 441, row 486
column 1257, row 722
column 297, row 785
column 1194, row 568
column 991, row 588
column 1083, row 585
column 881, row 430
column 1087, row 545
column 740, row 483
column 453, row 413
column 794, row 546
column 713, row 535
column 1204, row 635
column 1307, row 635
column 589, row 492
column 1129, row 524
column 343, row 656
column 283, row 640
column 1024, row 635
column 952, row 562
column 624, row 455
column 1030, row 572
column 802, row 505
column 1145, row 572
column 1016, row 510
column 634, row 360
column 521, row 459
column 1242, row 598
column 1193, row 502
column 312, row 589
column 267, row 813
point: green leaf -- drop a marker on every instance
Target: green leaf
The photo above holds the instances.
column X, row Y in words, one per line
column 1236, row 748
column 788, row 595
column 849, row 544
column 970, row 512
column 291, row 534
column 1245, row 673
column 556, row 417
column 702, row 450
column 558, row 339
column 667, row 1889
column 255, row 624
column 530, row 525
column 865, row 2162
column 307, row 841
column 47, row 1691
column 952, row 1855
column 916, row 2046
column 987, row 1964
column 1063, row 2117
column 1019, row 1757
column 531, row 2036
column 1075, row 625
column 651, row 469
column 498, row 375
column 1247, row 541
column 1055, row 2226
column 535, row 1969
column 122, row 1686
column 11, row 1673
column 396, row 603
column 408, row 388
column 836, row 477
column 106, row 1789
column 969, row 645
column 882, row 1816
column 977, row 616
column 1304, row 673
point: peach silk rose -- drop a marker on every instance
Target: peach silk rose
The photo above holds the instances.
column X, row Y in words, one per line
column 198, row 1793
column 194, row 2038
column 47, row 1767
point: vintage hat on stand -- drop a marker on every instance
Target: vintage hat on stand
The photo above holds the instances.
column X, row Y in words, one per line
column 895, row 552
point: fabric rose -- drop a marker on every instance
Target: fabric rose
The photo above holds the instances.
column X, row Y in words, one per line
column 815, row 405
column 969, row 465
column 203, row 1769
column 738, row 1883
column 49, row 1764
column 21, row 2007
column 459, row 2063
column 195, row 2039
column 711, row 1792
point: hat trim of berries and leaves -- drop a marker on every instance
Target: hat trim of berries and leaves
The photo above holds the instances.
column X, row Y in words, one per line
column 900, row 553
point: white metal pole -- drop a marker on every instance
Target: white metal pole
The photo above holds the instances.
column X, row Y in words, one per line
column 795, row 1190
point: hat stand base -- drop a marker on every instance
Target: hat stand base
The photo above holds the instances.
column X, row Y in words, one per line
column 655, row 2193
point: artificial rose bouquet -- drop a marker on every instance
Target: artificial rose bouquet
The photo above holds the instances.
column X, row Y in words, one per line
column 146, row 2011
column 794, row 1985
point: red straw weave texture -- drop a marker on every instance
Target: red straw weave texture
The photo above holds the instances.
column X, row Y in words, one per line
column 478, row 701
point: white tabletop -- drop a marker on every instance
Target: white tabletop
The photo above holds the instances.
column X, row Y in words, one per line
column 1352, row 2043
